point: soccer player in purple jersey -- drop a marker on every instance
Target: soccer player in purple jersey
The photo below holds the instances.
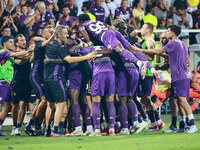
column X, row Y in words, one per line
column 103, row 84
column 177, row 53
column 54, row 78
column 94, row 31
column 6, row 75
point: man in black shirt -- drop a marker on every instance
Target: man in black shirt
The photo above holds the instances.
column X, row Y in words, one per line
column 54, row 78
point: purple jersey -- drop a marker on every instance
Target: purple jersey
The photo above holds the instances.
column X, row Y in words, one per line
column 177, row 53
column 22, row 18
column 99, row 13
column 102, row 63
column 95, row 29
column 125, row 15
column 67, row 23
column 45, row 17
column 3, row 56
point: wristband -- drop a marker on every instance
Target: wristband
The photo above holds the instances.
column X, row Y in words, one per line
column 76, row 51
column 90, row 44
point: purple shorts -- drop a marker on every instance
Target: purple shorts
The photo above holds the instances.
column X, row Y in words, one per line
column 113, row 38
column 6, row 93
column 127, row 84
column 103, row 84
column 180, row 88
column 145, row 86
column 74, row 82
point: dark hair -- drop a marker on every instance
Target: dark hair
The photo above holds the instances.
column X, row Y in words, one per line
column 87, row 5
column 181, row 6
column 169, row 17
column 160, row 21
column 119, row 23
column 135, row 3
column 5, row 39
column 83, row 17
column 5, row 27
column 29, row 4
column 130, row 28
column 66, row 5
column 16, row 38
column 176, row 29
column 148, row 9
column 25, row 5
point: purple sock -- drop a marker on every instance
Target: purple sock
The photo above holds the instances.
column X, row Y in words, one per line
column 126, row 54
column 133, row 110
column 76, row 111
column 124, row 116
column 87, row 116
column 118, row 117
column 192, row 122
column 143, row 58
column 1, row 121
column 111, row 114
column 96, row 112
column 140, row 109
column 151, row 116
column 157, row 116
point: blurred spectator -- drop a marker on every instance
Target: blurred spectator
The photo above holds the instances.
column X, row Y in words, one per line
column 98, row 11
column 85, row 8
column 118, row 3
column 179, row 2
column 5, row 32
column 24, row 12
column 184, row 20
column 124, row 12
column 34, row 29
column 169, row 21
column 138, row 12
column 161, row 24
column 66, row 20
column 109, row 11
column 149, row 17
column 73, row 8
column 196, row 24
column 30, row 8
column 8, row 22
column 40, row 6
column 192, row 5
column 51, row 21
column 161, row 9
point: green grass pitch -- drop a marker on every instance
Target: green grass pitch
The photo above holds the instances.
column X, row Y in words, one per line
column 148, row 141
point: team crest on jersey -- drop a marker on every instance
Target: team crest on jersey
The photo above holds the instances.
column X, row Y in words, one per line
column 62, row 46
column 51, row 42
column 1, row 98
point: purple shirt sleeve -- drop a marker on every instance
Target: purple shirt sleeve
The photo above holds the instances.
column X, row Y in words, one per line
column 4, row 55
column 117, row 12
column 22, row 18
column 131, row 12
column 169, row 47
column 86, row 50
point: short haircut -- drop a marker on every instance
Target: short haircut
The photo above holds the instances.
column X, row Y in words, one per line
column 83, row 17
column 16, row 38
column 40, row 4
column 176, row 29
column 29, row 4
column 130, row 28
column 87, row 4
column 5, row 27
column 119, row 23
column 25, row 5
column 5, row 39
column 181, row 6
column 58, row 30
column 150, row 26
column 148, row 9
column 66, row 5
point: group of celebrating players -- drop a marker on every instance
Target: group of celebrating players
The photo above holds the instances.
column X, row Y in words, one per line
column 89, row 75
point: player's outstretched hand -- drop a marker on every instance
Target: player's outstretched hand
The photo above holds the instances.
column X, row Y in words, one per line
column 92, row 55
column 136, row 48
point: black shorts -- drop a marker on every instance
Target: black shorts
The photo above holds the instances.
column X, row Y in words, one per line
column 55, row 91
column 37, row 84
column 21, row 91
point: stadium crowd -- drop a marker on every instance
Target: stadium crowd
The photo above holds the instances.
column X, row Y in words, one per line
column 74, row 63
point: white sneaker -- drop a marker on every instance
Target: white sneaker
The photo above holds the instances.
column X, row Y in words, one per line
column 13, row 131
column 76, row 133
column 192, row 129
column 112, row 132
column 124, row 131
column 140, row 126
column 95, row 134
column 88, row 132
column 18, row 131
column 171, row 129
